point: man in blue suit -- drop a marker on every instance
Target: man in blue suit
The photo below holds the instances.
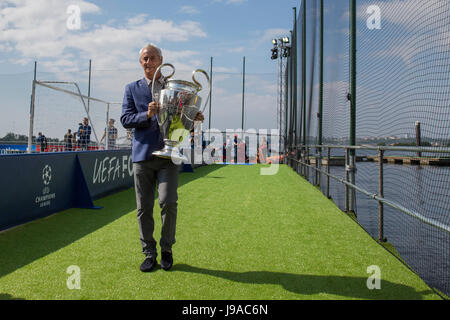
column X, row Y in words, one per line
column 139, row 112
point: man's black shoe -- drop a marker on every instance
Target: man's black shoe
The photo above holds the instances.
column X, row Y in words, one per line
column 166, row 260
column 148, row 264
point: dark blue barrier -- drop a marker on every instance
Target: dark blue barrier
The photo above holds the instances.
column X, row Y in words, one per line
column 36, row 185
column 106, row 172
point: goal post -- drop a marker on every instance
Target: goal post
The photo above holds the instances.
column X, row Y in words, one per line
column 59, row 106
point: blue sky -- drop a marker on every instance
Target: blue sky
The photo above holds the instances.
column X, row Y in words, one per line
column 226, row 29
column 412, row 37
column 111, row 34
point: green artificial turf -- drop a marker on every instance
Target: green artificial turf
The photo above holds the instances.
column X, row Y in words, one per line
column 240, row 235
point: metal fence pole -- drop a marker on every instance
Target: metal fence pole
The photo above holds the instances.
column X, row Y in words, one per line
column 210, row 99
column 33, row 95
column 380, row 194
column 307, row 162
column 347, row 191
column 107, row 127
column 302, row 159
column 286, row 106
column 328, row 172
column 243, row 96
column 292, row 155
column 352, row 174
column 294, row 47
column 89, row 85
column 353, row 88
column 318, row 165
column 280, row 106
column 304, row 73
column 418, row 138
column 320, row 111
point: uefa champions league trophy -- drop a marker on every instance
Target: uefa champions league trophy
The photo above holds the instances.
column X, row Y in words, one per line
column 179, row 104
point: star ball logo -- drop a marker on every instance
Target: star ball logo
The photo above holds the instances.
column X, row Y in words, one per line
column 46, row 198
column 47, row 175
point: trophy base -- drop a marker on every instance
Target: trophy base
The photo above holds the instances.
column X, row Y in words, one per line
column 170, row 152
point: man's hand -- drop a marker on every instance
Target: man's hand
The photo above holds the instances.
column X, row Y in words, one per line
column 153, row 109
column 199, row 117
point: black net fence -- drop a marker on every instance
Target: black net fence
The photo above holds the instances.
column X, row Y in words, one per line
column 402, row 108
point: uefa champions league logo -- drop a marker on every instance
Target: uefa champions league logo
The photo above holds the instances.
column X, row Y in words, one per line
column 45, row 199
column 47, row 175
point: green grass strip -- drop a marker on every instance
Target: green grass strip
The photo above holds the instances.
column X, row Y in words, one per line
column 240, row 235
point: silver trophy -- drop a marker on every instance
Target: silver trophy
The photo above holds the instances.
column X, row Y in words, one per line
column 179, row 104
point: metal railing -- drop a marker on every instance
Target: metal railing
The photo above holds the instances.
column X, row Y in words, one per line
column 303, row 159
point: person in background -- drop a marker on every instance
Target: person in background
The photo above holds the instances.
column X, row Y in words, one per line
column 112, row 134
column 42, row 140
column 242, row 148
column 130, row 135
column 68, row 140
column 84, row 134
column 192, row 142
column 227, row 151
column 191, row 139
column 262, row 152
column 75, row 141
column 235, row 145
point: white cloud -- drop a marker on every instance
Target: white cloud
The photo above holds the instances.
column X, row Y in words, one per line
column 137, row 20
column 189, row 10
column 33, row 29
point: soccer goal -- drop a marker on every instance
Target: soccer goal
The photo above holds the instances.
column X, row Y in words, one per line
column 58, row 110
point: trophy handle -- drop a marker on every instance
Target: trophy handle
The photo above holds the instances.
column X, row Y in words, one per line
column 200, row 86
column 165, row 78
column 195, row 81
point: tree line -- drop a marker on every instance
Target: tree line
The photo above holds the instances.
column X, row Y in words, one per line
column 20, row 138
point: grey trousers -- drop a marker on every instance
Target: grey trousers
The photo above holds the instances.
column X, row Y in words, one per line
column 146, row 175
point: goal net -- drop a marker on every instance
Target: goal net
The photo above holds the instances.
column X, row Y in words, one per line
column 94, row 124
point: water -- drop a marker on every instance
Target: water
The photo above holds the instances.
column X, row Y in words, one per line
column 422, row 189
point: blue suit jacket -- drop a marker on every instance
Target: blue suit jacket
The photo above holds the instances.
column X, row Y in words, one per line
column 147, row 137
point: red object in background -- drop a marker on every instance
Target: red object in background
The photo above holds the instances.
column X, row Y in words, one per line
column 261, row 154
column 61, row 148
column 241, row 153
column 54, row 148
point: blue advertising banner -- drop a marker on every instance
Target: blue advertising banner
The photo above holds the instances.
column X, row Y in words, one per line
column 14, row 148
column 36, row 185
column 107, row 172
